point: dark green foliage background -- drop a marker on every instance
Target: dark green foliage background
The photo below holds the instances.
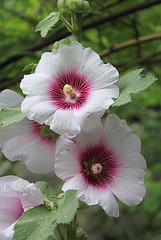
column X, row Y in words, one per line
column 20, row 46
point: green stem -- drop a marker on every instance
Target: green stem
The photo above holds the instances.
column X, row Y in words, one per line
column 67, row 24
column 60, row 233
column 71, row 233
column 76, row 20
column 71, row 229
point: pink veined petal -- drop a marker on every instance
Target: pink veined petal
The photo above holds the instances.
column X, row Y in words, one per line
column 119, row 137
column 68, row 168
column 64, row 121
column 128, row 185
column 38, row 156
column 35, row 84
column 13, row 130
column 10, row 211
column 9, row 98
column 16, row 196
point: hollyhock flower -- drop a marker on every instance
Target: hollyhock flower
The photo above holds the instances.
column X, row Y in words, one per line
column 27, row 140
column 16, row 196
column 102, row 164
column 70, row 89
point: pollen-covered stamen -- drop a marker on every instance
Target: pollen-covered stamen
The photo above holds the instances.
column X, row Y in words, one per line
column 68, row 90
column 96, row 168
column 71, row 94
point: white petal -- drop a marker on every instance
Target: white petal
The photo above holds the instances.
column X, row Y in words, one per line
column 38, row 156
column 28, row 193
column 128, row 185
column 109, row 204
column 67, row 165
column 75, row 183
column 36, row 84
column 7, row 234
column 101, row 99
column 118, row 136
column 64, row 121
column 89, row 116
column 103, row 197
column 100, row 74
column 86, row 120
column 7, row 179
column 82, row 141
column 57, row 62
column 42, row 111
column 9, row 98
column 13, row 130
column 29, row 102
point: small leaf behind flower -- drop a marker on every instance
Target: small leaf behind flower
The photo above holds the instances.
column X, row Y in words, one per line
column 130, row 83
column 11, row 115
column 45, row 25
column 30, row 68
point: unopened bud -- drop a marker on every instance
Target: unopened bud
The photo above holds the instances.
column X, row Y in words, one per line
column 79, row 6
column 58, row 43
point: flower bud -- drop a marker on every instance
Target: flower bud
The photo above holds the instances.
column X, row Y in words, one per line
column 79, row 6
column 58, row 43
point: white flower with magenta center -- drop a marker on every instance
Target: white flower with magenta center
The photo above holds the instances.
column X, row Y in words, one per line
column 70, row 89
column 103, row 163
column 27, row 140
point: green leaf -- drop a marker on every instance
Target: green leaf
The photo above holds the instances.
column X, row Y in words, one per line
column 39, row 222
column 132, row 82
column 48, row 190
column 66, row 207
column 30, row 68
column 11, row 115
column 45, row 25
column 36, row 223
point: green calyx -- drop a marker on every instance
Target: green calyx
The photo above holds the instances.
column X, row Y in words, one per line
column 46, row 131
column 78, row 6
column 58, row 43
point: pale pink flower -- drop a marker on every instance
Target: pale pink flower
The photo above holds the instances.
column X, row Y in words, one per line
column 102, row 164
column 22, row 141
column 16, row 196
column 70, row 89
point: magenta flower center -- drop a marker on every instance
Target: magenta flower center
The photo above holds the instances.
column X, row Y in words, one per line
column 98, row 165
column 43, row 133
column 69, row 90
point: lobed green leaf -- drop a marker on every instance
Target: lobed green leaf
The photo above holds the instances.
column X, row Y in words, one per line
column 45, row 25
column 11, row 115
column 131, row 83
